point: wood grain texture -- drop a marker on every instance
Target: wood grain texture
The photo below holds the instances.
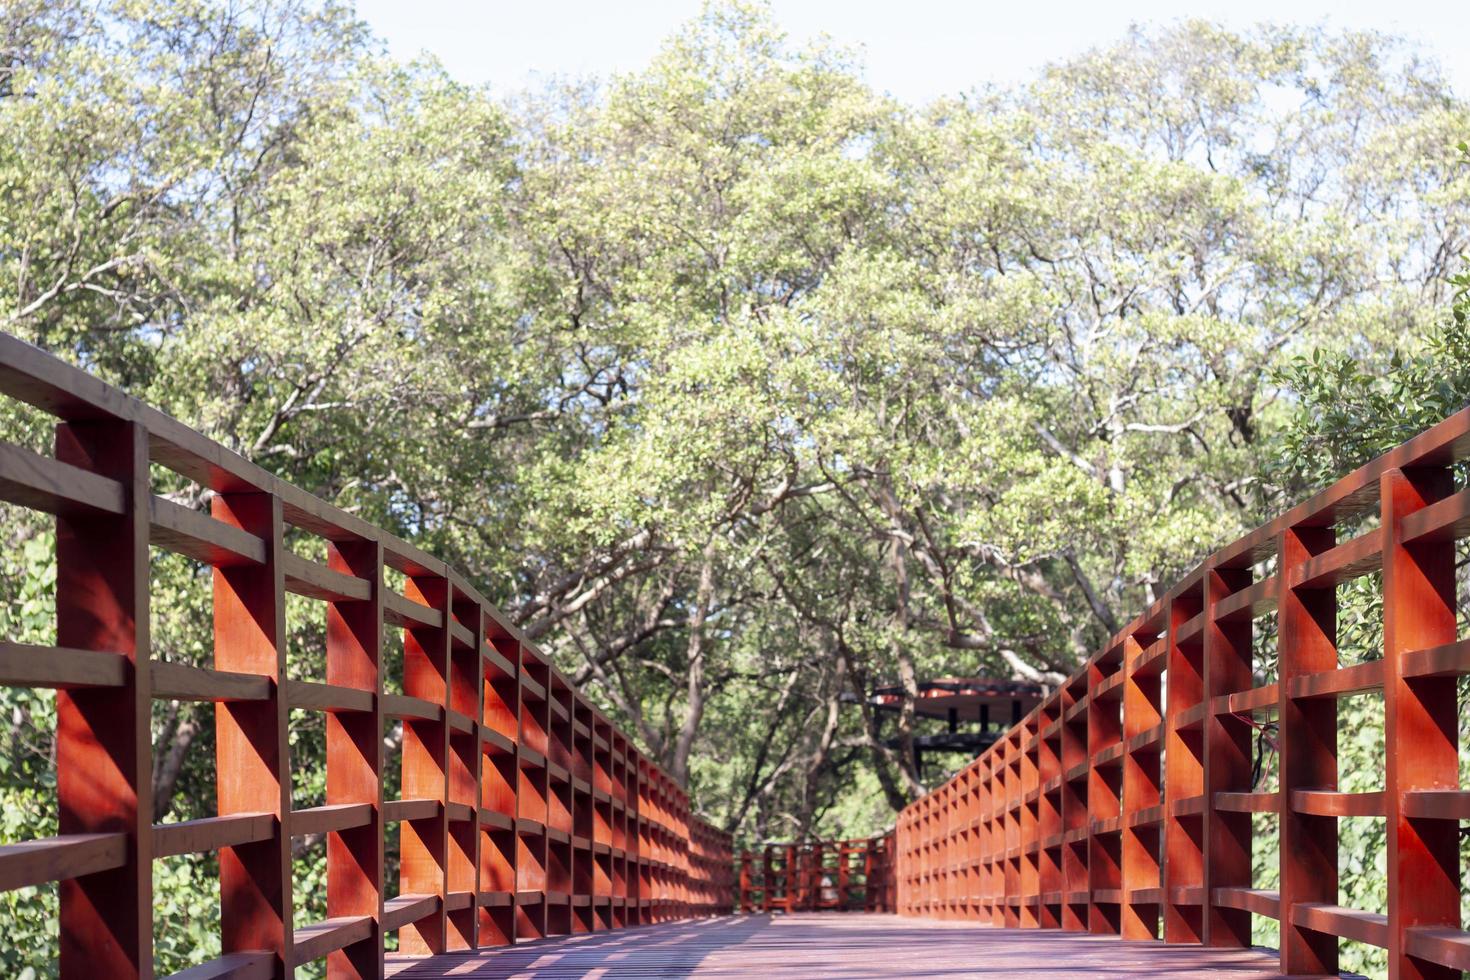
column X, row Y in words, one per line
column 461, row 705
column 817, row 946
column 251, row 754
column 103, row 740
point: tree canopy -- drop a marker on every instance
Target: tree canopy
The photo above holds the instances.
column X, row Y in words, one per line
column 739, row 385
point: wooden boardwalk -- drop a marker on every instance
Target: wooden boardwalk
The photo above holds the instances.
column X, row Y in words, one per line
column 852, row 946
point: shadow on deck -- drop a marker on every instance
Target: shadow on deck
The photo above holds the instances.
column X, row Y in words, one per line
column 852, row 946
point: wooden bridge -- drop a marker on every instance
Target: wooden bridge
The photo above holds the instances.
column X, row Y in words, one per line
column 1107, row 833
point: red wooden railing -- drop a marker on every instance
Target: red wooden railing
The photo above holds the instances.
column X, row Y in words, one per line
column 525, row 812
column 843, row 875
column 1125, row 799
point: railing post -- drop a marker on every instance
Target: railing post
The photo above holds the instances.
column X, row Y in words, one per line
column 465, row 758
column 1104, row 870
column 985, row 850
column 1421, row 731
column 1049, row 815
column 1307, row 732
column 423, row 841
column 252, row 758
column 1011, row 758
column 1227, row 745
column 355, row 757
column 1141, row 714
column 103, row 736
column 1031, row 857
column 1183, row 871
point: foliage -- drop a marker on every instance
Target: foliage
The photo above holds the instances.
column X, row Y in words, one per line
column 743, row 388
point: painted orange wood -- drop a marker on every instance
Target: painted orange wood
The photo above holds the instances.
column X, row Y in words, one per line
column 103, row 745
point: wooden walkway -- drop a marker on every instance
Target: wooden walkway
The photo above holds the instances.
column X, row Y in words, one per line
column 851, row 946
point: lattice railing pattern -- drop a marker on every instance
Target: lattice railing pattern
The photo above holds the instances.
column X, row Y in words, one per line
column 841, row 875
column 524, row 812
column 1123, row 804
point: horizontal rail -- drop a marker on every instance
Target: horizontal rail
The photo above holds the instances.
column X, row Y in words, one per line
column 1122, row 803
column 600, row 838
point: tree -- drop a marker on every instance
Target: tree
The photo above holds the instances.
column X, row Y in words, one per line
column 742, row 388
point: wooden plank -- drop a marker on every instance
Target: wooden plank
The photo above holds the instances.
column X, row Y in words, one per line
column 328, row 697
column 1340, row 563
column 39, row 482
column 1330, row 803
column 1342, row 682
column 315, row 580
column 24, row 665
column 399, row 912
column 332, row 818
column 402, row 611
column 317, row 940
column 35, row 862
column 1251, row 602
column 461, row 634
column 397, row 810
column 1437, row 804
column 1248, row 802
column 1191, row 629
column 495, row 740
column 1247, row 702
column 1447, row 660
column 405, row 706
column 234, row 966
column 1447, row 519
column 1441, row 945
column 176, row 528
column 1334, row 920
column 182, row 682
column 532, row 687
column 1257, row 901
column 496, row 820
column 211, row 833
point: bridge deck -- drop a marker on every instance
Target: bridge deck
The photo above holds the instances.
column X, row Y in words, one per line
column 856, row 946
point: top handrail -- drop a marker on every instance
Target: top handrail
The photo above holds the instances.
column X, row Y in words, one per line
column 1122, row 802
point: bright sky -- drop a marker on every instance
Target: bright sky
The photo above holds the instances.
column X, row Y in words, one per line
column 914, row 49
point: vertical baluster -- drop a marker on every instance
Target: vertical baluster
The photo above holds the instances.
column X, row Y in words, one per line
column 423, row 841
column 355, row 757
column 465, row 757
column 103, row 738
column 1183, row 778
column 1307, row 733
column 252, row 758
column 499, row 784
column 1227, row 761
column 1074, row 807
column 1422, row 723
column 1029, row 732
column 1104, row 871
column 1050, row 826
column 1141, row 791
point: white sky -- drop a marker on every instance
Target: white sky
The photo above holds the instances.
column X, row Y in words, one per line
column 914, row 49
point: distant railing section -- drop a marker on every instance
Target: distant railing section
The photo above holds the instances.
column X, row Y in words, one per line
column 524, row 812
column 1123, row 804
column 842, row 876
